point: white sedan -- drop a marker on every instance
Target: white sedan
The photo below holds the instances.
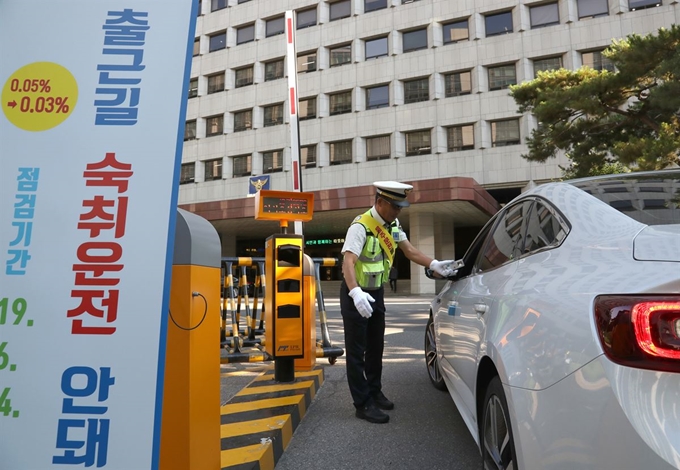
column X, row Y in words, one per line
column 559, row 336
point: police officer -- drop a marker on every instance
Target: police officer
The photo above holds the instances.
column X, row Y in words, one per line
column 369, row 248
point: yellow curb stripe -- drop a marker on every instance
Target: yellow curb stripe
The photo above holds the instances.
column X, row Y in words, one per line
column 277, row 388
column 230, row 408
column 282, row 422
column 262, row 453
column 310, row 373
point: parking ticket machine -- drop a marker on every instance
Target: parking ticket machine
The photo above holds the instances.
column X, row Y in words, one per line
column 284, row 332
column 287, row 312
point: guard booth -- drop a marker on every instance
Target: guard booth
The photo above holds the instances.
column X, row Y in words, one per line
column 290, row 330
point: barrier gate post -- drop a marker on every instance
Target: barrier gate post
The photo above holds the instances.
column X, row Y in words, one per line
column 190, row 423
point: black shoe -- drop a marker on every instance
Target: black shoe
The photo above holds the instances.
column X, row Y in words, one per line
column 372, row 414
column 382, row 402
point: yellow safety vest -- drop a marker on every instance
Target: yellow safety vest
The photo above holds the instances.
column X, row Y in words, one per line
column 373, row 265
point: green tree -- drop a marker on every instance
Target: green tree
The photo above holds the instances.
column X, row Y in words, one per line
column 603, row 120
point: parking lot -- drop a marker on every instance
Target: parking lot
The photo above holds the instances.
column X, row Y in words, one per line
column 425, row 429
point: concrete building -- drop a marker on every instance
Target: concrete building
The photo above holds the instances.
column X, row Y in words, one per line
column 407, row 90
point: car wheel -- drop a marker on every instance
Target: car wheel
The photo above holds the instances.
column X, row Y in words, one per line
column 431, row 357
column 496, row 441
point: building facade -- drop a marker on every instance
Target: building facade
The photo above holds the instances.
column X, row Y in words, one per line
column 408, row 90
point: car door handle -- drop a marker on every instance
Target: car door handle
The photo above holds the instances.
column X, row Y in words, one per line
column 481, row 308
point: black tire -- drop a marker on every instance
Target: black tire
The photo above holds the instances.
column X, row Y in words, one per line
column 495, row 431
column 431, row 360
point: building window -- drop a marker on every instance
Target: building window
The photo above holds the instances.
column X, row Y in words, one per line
column 544, row 15
column 640, row 4
column 308, row 156
column 376, row 47
column 243, row 120
column 242, row 165
column 274, row 26
column 193, row 88
column 502, row 76
column 244, row 76
column 341, row 55
column 307, row 108
column 306, row 18
column 341, row 152
column 218, row 5
column 377, row 97
column 341, row 103
column 273, row 115
column 306, row 62
column 187, row 173
column 340, row 10
column 218, row 42
column 213, row 169
column 460, row 138
column 273, row 70
column 548, row 63
column 214, row 125
column 592, row 8
column 372, row 5
column 245, row 34
column 455, row 31
column 417, row 90
column 505, row 133
column 498, row 23
column 414, row 40
column 378, row 148
column 418, row 143
column 596, row 60
column 272, row 162
column 404, row 2
column 458, row 83
column 242, row 1
column 197, row 46
column 216, row 83
column 200, row 7
column 190, row 130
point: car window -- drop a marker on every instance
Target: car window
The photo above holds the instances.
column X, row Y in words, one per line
column 505, row 241
column 544, row 228
column 472, row 253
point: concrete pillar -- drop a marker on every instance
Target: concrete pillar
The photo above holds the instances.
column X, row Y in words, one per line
column 444, row 245
column 422, row 236
column 444, row 241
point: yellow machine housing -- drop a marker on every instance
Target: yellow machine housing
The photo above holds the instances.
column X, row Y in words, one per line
column 284, row 296
column 190, row 423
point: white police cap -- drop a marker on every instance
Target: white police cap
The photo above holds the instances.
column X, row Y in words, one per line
column 394, row 192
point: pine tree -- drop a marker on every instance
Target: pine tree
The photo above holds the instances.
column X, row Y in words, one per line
column 604, row 119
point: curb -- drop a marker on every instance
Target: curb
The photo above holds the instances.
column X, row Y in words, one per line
column 258, row 422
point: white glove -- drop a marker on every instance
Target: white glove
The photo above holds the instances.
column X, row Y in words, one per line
column 362, row 301
column 443, row 268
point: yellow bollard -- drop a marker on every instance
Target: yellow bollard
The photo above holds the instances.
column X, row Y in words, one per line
column 190, row 426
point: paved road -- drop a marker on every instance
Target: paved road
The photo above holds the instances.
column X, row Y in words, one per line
column 425, row 430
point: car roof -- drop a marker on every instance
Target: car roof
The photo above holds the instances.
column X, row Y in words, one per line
column 673, row 173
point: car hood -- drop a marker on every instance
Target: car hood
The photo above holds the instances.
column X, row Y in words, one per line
column 658, row 243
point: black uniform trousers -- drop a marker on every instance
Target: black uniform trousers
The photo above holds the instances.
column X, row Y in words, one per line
column 364, row 342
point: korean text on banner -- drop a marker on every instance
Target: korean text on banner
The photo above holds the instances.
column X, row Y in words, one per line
column 93, row 109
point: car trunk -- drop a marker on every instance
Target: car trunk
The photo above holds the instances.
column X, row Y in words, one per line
column 658, row 243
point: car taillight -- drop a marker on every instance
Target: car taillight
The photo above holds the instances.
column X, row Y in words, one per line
column 640, row 331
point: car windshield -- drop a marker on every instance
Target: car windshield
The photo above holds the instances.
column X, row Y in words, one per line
column 652, row 198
